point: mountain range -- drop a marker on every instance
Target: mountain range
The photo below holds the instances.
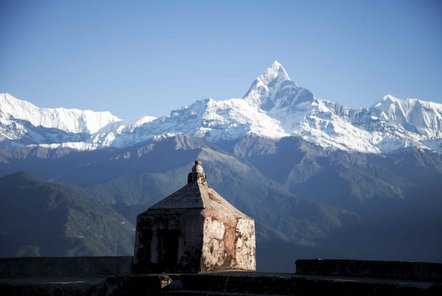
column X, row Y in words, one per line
column 320, row 179
column 274, row 107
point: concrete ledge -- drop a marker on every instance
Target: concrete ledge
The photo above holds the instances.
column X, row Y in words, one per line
column 111, row 276
column 217, row 284
column 417, row 271
column 65, row 266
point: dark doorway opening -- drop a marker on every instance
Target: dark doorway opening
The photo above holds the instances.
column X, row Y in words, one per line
column 168, row 248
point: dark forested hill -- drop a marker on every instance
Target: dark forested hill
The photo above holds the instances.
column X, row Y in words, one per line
column 39, row 218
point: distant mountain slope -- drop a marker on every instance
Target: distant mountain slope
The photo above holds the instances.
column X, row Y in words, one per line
column 46, row 219
column 307, row 201
column 340, row 178
column 291, row 164
column 274, row 107
column 145, row 173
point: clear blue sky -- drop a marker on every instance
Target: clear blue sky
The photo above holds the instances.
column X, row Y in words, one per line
column 137, row 58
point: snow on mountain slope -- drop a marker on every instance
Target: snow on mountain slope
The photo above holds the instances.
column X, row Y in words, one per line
column 68, row 120
column 266, row 89
column 273, row 107
column 21, row 133
column 388, row 126
column 417, row 116
column 301, row 114
column 209, row 119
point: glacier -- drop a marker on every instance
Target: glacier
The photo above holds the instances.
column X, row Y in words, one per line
column 274, row 107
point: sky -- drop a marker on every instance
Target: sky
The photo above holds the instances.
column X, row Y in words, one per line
column 137, row 58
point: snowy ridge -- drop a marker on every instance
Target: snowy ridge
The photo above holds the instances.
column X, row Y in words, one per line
column 418, row 116
column 388, row 126
column 273, row 107
column 209, row 119
column 68, row 120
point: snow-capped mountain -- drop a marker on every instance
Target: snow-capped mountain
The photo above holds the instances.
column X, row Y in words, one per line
column 299, row 113
column 416, row 116
column 68, row 120
column 274, row 107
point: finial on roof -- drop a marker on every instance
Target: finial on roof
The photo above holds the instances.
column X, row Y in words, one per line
column 197, row 173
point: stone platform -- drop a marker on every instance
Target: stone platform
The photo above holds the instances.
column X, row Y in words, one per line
column 112, row 276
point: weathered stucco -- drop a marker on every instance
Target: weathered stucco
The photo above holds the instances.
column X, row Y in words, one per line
column 228, row 244
column 194, row 229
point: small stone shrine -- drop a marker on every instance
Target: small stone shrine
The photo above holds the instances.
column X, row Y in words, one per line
column 194, row 230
